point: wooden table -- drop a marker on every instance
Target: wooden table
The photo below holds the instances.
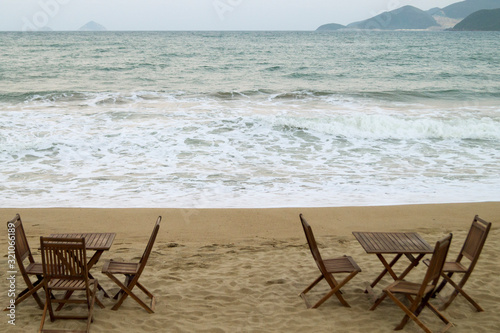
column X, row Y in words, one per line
column 398, row 243
column 98, row 242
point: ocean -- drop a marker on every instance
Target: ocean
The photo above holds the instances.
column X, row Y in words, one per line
column 248, row 119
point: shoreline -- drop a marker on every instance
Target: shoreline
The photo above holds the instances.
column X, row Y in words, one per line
column 231, row 224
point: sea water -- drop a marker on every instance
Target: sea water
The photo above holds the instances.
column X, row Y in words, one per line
column 248, row 119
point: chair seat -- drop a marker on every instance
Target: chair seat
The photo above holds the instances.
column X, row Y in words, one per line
column 454, row 267
column 117, row 267
column 344, row 264
column 406, row 287
column 63, row 284
column 34, row 269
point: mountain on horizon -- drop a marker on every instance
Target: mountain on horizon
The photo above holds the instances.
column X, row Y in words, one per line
column 406, row 17
column 92, row 26
column 409, row 17
column 482, row 20
column 460, row 10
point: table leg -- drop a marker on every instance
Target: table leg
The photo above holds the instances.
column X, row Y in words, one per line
column 91, row 263
column 414, row 263
column 387, row 269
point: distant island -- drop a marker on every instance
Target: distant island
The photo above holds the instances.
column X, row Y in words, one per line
column 482, row 20
column 330, row 27
column 412, row 18
column 92, row 26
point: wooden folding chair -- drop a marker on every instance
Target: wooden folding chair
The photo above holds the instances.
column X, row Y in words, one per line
column 328, row 267
column 419, row 293
column 471, row 250
column 23, row 252
column 132, row 272
column 64, row 263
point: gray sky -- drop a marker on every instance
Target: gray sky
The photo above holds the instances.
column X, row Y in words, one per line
column 195, row 14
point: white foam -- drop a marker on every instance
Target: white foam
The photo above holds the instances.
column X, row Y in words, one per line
column 170, row 150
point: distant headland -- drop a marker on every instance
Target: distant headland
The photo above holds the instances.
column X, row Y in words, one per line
column 482, row 20
column 473, row 15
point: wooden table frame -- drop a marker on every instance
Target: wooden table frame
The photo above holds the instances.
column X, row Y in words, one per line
column 398, row 243
column 98, row 242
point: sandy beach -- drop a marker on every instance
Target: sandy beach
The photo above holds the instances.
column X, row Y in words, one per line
column 241, row 270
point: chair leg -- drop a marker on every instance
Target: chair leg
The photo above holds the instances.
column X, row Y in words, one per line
column 440, row 287
column 48, row 303
column 128, row 278
column 439, row 314
column 416, row 306
column 454, row 294
column 327, row 296
column 409, row 315
column 336, row 286
column 303, row 293
column 30, row 292
column 43, row 315
column 128, row 292
column 149, row 294
column 122, row 291
column 312, row 285
column 336, row 290
column 144, row 290
column 378, row 301
column 91, row 307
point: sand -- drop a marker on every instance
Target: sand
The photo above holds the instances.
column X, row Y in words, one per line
column 241, row 270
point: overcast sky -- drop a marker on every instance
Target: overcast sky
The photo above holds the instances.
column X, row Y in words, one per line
column 195, row 14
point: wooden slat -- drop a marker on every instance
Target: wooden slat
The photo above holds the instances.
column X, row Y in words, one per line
column 90, row 239
column 65, row 331
column 401, row 241
column 100, row 240
column 376, row 242
column 364, row 241
column 392, row 242
column 93, row 241
column 110, row 240
column 415, row 242
column 116, row 267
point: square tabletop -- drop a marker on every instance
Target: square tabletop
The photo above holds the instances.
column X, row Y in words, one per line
column 93, row 241
column 393, row 242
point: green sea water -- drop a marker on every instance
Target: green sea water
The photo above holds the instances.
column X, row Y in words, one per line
column 244, row 119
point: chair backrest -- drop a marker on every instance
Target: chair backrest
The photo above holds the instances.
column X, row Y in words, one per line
column 474, row 242
column 312, row 244
column 149, row 247
column 22, row 248
column 64, row 258
column 436, row 264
